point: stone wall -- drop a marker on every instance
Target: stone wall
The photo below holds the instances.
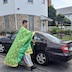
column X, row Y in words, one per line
column 37, row 23
column 12, row 22
column 20, row 18
column 46, row 26
column 2, row 26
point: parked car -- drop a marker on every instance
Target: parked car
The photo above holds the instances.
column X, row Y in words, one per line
column 47, row 48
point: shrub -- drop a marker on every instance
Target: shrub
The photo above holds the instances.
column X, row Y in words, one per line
column 67, row 32
column 55, row 30
column 12, row 32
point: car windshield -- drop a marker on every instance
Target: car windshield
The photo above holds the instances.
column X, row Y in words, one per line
column 52, row 38
column 14, row 36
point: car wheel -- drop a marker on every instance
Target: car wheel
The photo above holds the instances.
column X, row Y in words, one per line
column 42, row 58
column 2, row 48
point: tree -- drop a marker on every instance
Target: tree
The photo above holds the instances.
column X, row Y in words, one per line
column 60, row 18
column 51, row 12
column 52, row 15
column 67, row 22
column 63, row 20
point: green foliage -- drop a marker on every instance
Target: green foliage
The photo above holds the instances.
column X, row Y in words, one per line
column 65, row 37
column 52, row 15
column 13, row 32
column 51, row 12
column 63, row 20
column 67, row 32
column 55, row 30
column 67, row 22
column 60, row 18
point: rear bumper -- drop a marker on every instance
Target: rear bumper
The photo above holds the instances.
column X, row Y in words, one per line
column 59, row 57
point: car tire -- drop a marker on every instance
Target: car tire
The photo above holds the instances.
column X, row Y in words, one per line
column 2, row 48
column 42, row 58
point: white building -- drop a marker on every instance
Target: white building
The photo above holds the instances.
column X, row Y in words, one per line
column 67, row 11
column 13, row 12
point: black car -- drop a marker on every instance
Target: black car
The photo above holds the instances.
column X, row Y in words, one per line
column 47, row 48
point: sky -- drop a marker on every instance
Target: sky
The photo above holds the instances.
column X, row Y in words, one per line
column 61, row 3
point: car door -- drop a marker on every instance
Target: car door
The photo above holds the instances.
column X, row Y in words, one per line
column 40, row 43
column 9, row 42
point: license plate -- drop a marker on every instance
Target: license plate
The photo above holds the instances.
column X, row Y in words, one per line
column 70, row 49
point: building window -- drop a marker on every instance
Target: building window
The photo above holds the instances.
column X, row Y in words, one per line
column 31, row 22
column 30, row 1
column 5, row 1
column 6, row 22
column 43, row 1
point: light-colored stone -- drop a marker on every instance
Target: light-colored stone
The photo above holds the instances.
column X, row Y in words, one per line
column 46, row 26
column 20, row 18
column 37, row 23
column 12, row 22
column 2, row 26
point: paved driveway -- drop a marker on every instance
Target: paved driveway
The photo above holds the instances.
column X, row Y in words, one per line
column 51, row 67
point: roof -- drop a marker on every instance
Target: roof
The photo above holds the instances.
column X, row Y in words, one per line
column 66, row 10
column 46, row 18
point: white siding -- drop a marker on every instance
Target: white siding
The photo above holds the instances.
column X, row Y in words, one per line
column 8, row 8
column 35, row 8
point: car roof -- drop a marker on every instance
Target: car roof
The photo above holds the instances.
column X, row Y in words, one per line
column 40, row 32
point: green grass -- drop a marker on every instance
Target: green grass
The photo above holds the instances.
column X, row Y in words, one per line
column 65, row 37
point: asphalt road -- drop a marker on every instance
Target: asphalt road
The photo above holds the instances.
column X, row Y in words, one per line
column 51, row 67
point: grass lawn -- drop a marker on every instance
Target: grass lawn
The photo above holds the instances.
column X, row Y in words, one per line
column 65, row 37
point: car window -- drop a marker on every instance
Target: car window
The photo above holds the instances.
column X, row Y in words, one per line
column 14, row 36
column 41, row 36
column 52, row 38
column 37, row 38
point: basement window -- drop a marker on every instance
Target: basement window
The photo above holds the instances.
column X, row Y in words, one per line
column 5, row 1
